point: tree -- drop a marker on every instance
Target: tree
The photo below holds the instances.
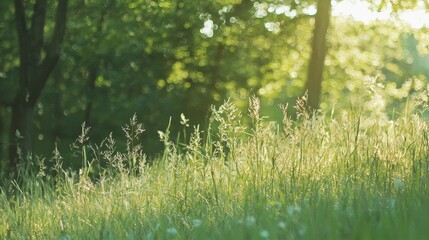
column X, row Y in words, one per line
column 37, row 60
column 317, row 59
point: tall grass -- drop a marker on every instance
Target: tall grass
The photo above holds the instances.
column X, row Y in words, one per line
column 314, row 177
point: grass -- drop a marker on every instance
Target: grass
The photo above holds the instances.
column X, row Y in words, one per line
column 346, row 177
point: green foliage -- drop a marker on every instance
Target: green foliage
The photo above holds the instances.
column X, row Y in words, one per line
column 367, row 68
column 398, row 6
column 163, row 58
column 360, row 172
column 347, row 177
column 9, row 53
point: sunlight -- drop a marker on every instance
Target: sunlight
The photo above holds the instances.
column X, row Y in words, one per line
column 361, row 11
column 416, row 18
column 207, row 30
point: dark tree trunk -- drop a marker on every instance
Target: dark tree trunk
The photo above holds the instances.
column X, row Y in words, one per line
column 92, row 77
column 2, row 140
column 20, row 133
column 94, row 66
column 34, row 72
column 317, row 60
column 57, row 108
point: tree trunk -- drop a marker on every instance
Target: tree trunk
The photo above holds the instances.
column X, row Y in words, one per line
column 34, row 72
column 2, row 140
column 94, row 66
column 92, row 77
column 57, row 109
column 317, row 61
column 20, row 133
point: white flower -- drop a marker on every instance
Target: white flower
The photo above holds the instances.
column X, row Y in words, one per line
column 183, row 120
column 65, row 237
column 171, row 231
column 392, row 203
column 281, row 225
column 264, row 234
column 250, row 221
column 302, row 229
column 149, row 236
column 196, row 223
column 398, row 184
column 292, row 210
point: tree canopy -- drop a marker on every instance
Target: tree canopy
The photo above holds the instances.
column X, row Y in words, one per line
column 160, row 59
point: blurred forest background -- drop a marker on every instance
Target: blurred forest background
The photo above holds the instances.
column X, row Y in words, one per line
column 162, row 58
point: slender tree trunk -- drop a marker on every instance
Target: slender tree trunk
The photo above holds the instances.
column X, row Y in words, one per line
column 92, row 77
column 2, row 140
column 57, row 108
column 34, row 72
column 20, row 133
column 317, row 60
column 95, row 65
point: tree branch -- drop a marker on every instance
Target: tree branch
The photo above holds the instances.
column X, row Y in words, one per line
column 21, row 27
column 37, row 29
column 53, row 52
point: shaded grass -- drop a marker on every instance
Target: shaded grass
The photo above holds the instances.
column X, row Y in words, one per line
column 349, row 177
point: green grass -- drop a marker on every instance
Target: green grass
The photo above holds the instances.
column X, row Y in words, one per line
column 347, row 177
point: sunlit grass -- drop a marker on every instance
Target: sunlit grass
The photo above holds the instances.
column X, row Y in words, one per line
column 347, row 177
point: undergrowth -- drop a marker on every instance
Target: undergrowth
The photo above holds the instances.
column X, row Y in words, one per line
column 310, row 177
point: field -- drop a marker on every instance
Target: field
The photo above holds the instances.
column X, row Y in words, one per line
column 352, row 176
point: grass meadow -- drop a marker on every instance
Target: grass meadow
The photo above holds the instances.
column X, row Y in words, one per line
column 351, row 176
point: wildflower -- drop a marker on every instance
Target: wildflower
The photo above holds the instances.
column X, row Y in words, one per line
column 281, row 225
column 183, row 120
column 392, row 203
column 196, row 223
column 264, row 234
column 171, row 231
column 398, row 184
column 149, row 236
column 274, row 204
column 65, row 237
column 250, row 221
column 293, row 210
column 302, row 229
